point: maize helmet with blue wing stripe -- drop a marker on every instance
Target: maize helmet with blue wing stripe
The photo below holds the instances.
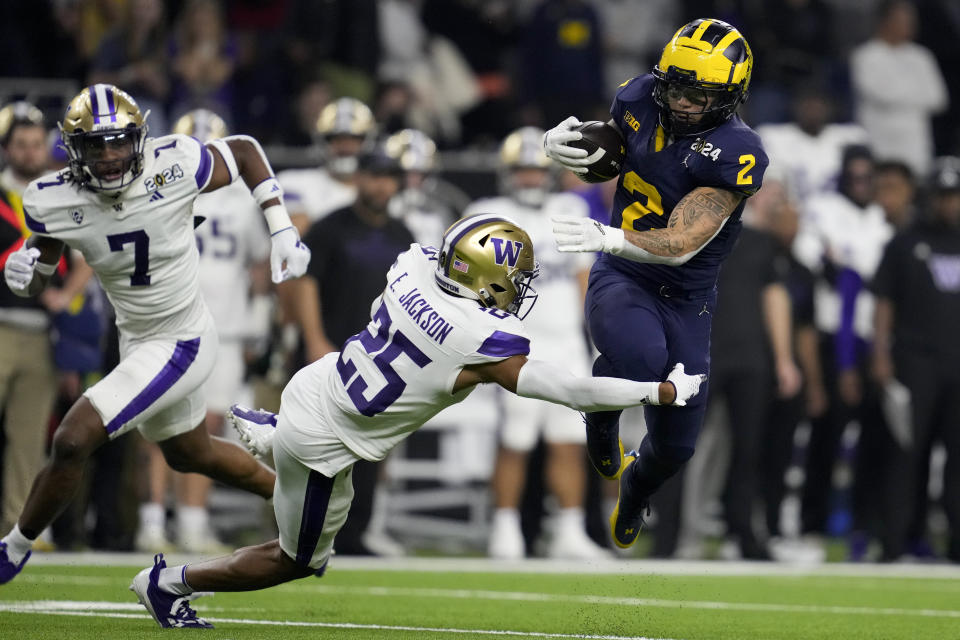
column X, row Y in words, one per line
column 490, row 259
column 101, row 121
column 709, row 63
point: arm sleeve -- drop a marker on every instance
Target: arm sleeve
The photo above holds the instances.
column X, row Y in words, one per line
column 544, row 381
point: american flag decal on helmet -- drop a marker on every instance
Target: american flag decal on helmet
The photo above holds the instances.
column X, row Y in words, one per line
column 461, row 266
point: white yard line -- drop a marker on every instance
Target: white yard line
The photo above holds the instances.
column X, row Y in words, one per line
column 109, row 610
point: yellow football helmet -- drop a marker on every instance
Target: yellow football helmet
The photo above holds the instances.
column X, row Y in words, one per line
column 202, row 124
column 101, row 120
column 20, row 112
column 413, row 149
column 489, row 258
column 709, row 63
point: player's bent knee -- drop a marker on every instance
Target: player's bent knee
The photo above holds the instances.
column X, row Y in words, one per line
column 74, row 441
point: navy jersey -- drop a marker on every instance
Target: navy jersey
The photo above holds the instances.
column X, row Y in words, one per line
column 657, row 175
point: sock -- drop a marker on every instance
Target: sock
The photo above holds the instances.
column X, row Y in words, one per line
column 173, row 580
column 192, row 519
column 506, row 517
column 18, row 545
column 570, row 519
column 152, row 516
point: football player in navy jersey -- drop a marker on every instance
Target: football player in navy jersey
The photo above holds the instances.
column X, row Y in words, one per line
column 690, row 163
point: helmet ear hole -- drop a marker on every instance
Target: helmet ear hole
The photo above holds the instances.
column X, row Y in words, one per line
column 497, row 288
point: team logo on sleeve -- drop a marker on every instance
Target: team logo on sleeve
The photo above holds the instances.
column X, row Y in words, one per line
column 506, row 251
column 77, row 215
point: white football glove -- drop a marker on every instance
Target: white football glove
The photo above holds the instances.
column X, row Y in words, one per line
column 686, row 385
column 18, row 272
column 555, row 145
column 287, row 248
column 577, row 234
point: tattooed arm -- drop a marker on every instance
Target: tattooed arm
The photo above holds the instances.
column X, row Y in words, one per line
column 697, row 218
column 694, row 222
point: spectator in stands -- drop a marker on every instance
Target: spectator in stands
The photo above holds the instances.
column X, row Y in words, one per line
column 203, row 58
column 841, row 240
column 561, row 61
column 898, row 88
column 353, row 248
column 915, row 352
column 133, row 55
column 896, row 193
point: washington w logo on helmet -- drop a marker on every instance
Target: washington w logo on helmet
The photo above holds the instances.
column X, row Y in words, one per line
column 506, row 251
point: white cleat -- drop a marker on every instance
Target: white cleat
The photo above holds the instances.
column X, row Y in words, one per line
column 255, row 429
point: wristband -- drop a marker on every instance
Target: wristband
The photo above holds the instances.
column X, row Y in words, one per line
column 277, row 218
column 268, row 189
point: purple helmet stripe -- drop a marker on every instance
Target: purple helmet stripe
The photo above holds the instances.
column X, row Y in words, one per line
column 502, row 345
column 94, row 103
column 315, row 502
column 111, row 108
column 183, row 356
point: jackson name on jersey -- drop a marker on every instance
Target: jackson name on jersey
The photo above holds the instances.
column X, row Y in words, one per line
column 400, row 371
column 141, row 243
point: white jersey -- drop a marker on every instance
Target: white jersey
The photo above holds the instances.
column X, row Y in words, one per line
column 809, row 164
column 851, row 237
column 141, row 243
column 232, row 237
column 314, row 192
column 400, row 371
column 557, row 317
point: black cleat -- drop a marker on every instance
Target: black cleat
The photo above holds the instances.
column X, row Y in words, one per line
column 626, row 521
column 606, row 451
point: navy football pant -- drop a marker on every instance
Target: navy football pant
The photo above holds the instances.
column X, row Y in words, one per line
column 641, row 335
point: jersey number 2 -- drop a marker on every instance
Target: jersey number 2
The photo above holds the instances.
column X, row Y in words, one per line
column 141, row 254
column 386, row 348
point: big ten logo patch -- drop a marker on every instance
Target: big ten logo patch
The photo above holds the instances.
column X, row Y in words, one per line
column 164, row 177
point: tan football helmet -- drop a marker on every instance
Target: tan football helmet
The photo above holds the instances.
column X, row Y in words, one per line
column 100, row 121
column 202, row 124
column 18, row 112
column 489, row 258
column 345, row 128
column 413, row 149
column 525, row 168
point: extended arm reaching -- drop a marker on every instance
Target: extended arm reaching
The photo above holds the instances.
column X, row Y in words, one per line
column 545, row 381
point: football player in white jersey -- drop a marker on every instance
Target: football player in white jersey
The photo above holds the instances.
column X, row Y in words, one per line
column 233, row 244
column 344, row 129
column 126, row 203
column 555, row 326
column 446, row 321
column 417, row 203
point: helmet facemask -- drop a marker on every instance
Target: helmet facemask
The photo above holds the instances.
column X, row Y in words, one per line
column 717, row 102
column 104, row 134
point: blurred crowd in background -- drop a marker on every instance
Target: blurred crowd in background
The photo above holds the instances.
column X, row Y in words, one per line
column 834, row 430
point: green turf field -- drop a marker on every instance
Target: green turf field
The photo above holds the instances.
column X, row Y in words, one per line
column 444, row 599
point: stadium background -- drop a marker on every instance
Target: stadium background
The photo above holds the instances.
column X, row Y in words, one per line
column 467, row 72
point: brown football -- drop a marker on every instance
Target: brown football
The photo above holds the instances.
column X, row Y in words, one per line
column 601, row 136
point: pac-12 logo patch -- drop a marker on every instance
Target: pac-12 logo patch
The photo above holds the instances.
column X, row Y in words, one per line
column 506, row 251
column 77, row 215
